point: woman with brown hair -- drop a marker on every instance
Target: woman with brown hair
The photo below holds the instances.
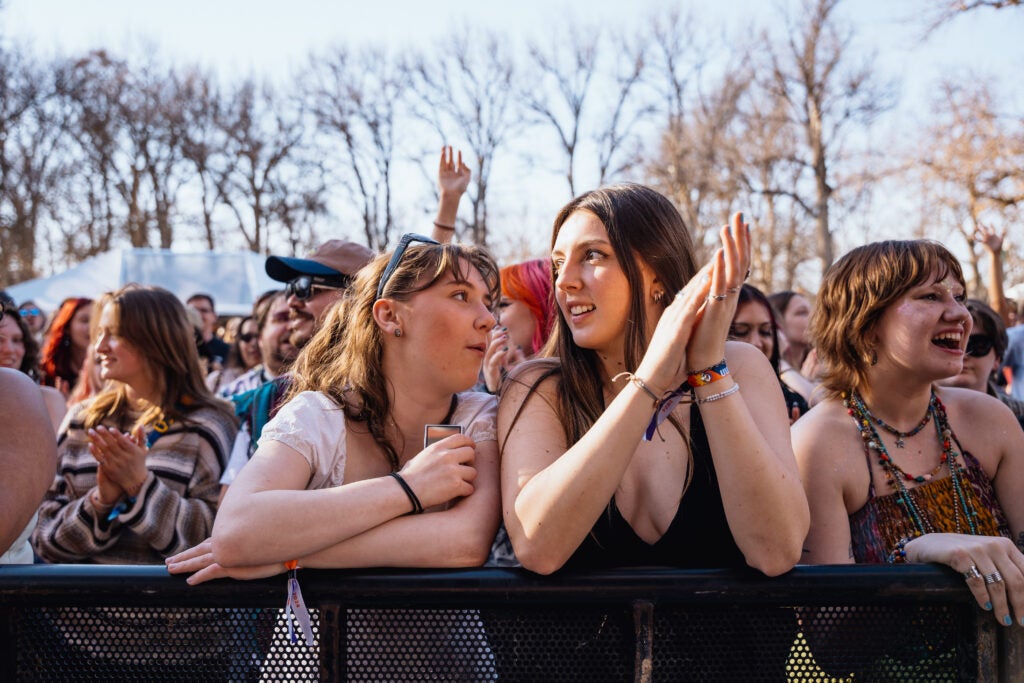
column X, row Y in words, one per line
column 139, row 462
column 895, row 466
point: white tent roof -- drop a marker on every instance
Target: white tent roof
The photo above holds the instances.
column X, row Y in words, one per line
column 233, row 279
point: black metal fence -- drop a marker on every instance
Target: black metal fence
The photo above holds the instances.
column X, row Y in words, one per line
column 849, row 623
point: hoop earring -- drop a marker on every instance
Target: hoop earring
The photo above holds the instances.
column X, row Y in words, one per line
column 398, row 331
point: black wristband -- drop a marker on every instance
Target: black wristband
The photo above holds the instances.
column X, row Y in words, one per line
column 417, row 508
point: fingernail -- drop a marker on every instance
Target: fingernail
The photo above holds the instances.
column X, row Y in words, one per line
column 1007, row 620
column 988, row 606
column 505, row 349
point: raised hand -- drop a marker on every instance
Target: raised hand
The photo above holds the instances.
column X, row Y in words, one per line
column 453, row 176
column 989, row 237
column 500, row 358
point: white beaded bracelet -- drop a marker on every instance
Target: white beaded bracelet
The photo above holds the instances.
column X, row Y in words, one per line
column 722, row 394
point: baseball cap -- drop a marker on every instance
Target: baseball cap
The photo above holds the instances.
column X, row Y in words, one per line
column 333, row 260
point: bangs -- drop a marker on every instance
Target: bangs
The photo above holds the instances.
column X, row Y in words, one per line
column 423, row 265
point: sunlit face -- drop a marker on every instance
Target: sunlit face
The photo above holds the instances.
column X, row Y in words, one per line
column 924, row 332
column 795, row 319
column 80, row 327
column 248, row 343
column 275, row 349
column 12, row 343
column 591, row 289
column 306, row 315
column 518, row 318
column 118, row 358
column 444, row 329
column 752, row 324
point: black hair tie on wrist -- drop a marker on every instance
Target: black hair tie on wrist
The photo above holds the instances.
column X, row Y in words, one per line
column 417, row 508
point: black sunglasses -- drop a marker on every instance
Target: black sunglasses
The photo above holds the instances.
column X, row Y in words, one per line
column 396, row 258
column 978, row 345
column 302, row 287
column 247, row 337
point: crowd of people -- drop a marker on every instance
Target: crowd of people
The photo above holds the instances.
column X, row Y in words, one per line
column 614, row 404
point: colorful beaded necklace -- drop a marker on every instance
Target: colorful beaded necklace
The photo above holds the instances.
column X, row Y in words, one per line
column 900, row 436
column 896, row 476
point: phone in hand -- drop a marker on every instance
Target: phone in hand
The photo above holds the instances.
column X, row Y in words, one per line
column 434, row 433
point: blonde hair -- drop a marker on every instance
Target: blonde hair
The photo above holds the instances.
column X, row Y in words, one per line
column 856, row 290
column 344, row 359
column 154, row 322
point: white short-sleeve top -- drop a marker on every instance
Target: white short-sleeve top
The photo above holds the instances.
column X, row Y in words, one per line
column 314, row 425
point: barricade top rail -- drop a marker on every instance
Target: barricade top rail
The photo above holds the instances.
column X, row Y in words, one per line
column 102, row 585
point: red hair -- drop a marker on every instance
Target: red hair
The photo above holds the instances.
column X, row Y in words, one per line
column 530, row 282
column 57, row 359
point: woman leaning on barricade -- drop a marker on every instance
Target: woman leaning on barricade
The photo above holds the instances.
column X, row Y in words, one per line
column 344, row 468
column 602, row 465
column 139, row 463
column 897, row 468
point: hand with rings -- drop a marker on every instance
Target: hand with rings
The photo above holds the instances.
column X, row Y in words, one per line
column 992, row 567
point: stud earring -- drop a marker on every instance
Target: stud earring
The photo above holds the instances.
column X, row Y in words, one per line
column 658, row 296
column 398, row 331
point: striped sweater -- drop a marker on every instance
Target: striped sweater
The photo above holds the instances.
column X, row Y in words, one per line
column 173, row 511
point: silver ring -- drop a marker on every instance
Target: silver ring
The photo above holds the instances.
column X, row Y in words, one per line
column 733, row 290
column 717, row 297
column 972, row 573
column 994, row 577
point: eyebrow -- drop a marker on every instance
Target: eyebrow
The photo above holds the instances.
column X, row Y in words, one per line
column 584, row 245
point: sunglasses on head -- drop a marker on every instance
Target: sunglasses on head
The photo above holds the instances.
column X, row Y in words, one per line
column 396, row 258
column 302, row 287
column 978, row 345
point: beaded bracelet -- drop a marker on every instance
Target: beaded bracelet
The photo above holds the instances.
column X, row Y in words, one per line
column 443, row 226
column 699, row 378
column 417, row 507
column 720, row 395
column 899, row 553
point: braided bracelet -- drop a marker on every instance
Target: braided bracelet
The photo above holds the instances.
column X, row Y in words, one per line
column 698, row 378
column 417, row 508
column 640, row 383
column 720, row 395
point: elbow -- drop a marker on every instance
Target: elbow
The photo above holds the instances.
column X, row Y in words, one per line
column 228, row 549
column 536, row 559
column 777, row 561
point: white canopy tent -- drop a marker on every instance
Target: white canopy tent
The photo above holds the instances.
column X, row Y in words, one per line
column 233, row 279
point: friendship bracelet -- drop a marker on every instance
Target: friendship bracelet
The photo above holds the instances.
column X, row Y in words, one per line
column 291, row 565
column 698, row 378
column 720, row 395
column 417, row 508
column 640, row 383
column 443, row 226
column 97, row 502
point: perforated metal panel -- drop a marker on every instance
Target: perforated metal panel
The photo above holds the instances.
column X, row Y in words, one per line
column 644, row 641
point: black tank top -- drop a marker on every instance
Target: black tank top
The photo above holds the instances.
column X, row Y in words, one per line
column 698, row 536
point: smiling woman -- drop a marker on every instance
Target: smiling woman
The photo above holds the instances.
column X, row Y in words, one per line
column 897, row 468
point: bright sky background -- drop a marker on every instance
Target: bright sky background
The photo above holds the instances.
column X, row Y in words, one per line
column 274, row 37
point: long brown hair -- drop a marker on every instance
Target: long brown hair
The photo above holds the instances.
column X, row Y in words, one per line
column 856, row 290
column 345, row 358
column 642, row 225
column 154, row 322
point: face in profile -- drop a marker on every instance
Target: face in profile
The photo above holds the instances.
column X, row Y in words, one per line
column 445, row 326
column 518, row 318
column 591, row 288
column 118, row 358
